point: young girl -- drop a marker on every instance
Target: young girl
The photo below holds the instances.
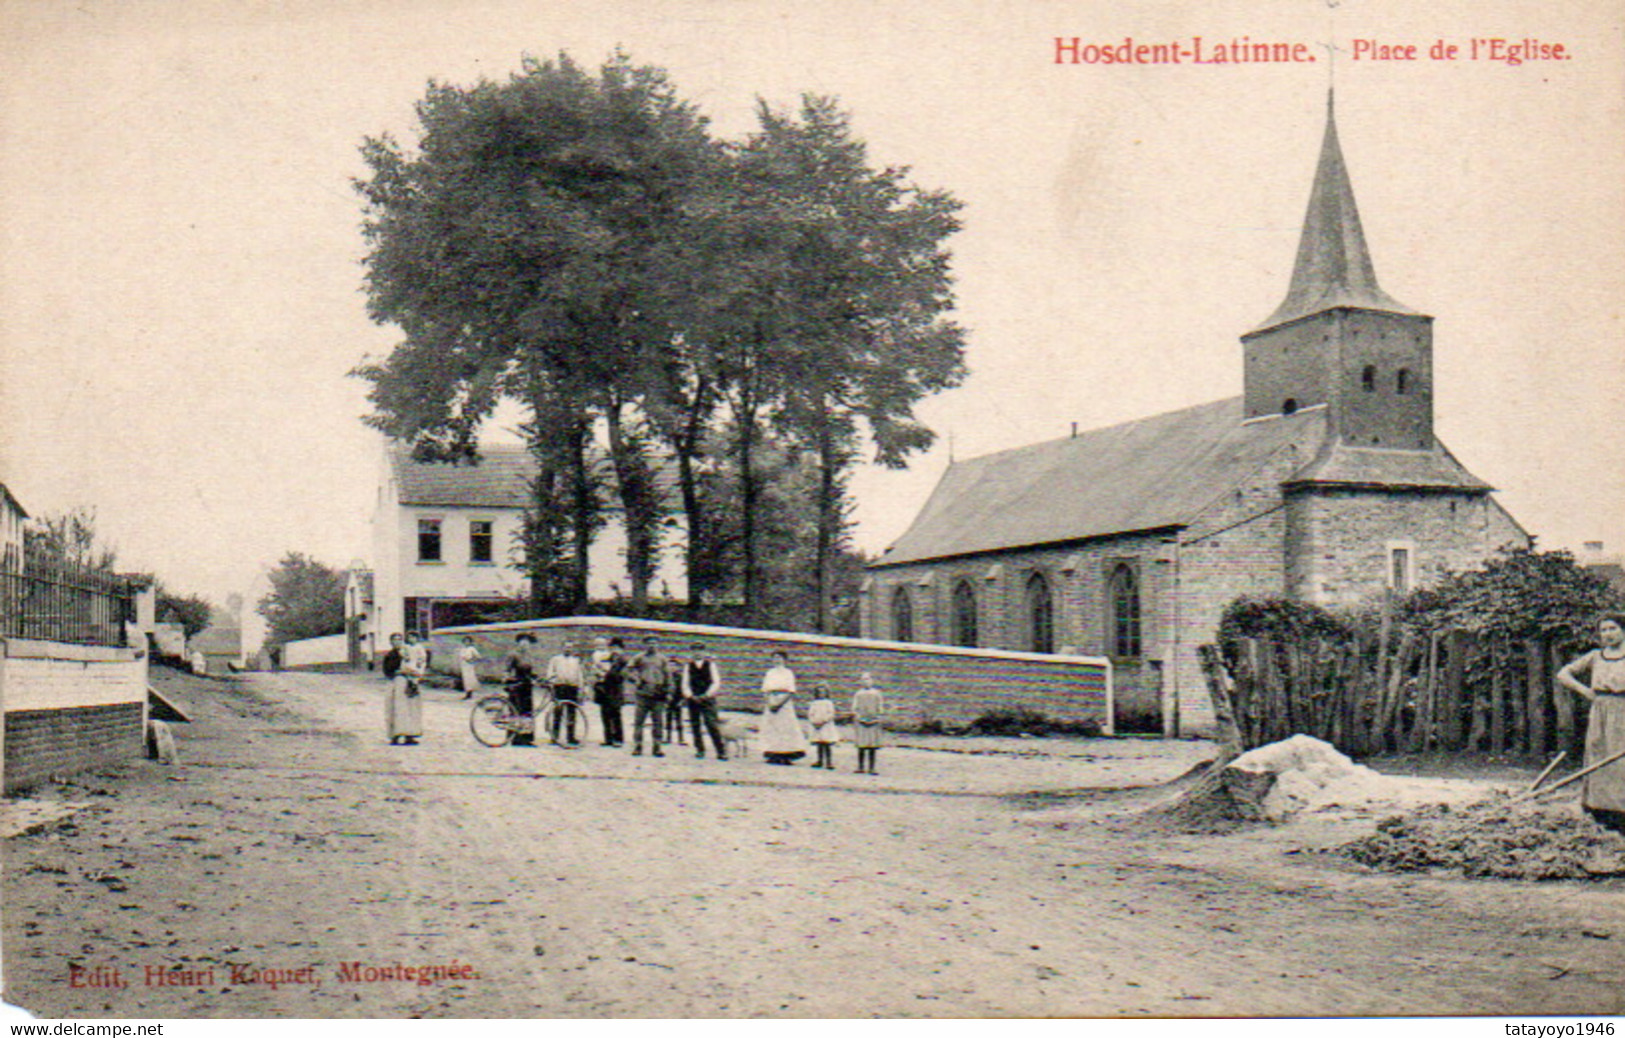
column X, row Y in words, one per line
column 821, row 715
column 868, row 707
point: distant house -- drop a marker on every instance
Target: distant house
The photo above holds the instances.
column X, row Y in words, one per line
column 222, row 648
column 446, row 547
column 1610, row 566
column 12, row 518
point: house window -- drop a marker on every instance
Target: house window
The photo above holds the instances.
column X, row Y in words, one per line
column 902, row 616
column 429, row 540
column 1368, row 378
column 480, row 540
column 1123, row 594
column 1040, row 614
column 965, row 615
column 1401, row 566
column 1402, row 381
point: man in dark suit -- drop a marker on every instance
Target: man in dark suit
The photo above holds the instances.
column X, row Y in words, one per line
column 701, row 683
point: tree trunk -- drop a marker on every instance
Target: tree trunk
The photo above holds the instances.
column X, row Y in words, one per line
column 640, row 507
column 828, row 519
column 699, row 549
column 745, row 419
column 584, row 513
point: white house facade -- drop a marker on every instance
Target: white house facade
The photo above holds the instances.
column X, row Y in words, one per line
column 446, row 548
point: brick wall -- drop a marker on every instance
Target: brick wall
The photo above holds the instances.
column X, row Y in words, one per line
column 67, row 708
column 922, row 684
column 44, row 743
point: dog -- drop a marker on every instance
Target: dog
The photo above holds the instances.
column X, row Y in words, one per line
column 735, row 738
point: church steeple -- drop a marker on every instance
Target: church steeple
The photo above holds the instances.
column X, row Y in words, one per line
column 1333, row 267
column 1338, row 340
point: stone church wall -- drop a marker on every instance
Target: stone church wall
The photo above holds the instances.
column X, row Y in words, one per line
column 1077, row 576
column 1338, row 541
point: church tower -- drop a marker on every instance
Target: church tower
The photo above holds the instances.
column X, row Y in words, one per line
column 1338, row 339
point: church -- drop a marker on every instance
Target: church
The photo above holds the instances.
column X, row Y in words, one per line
column 1323, row 482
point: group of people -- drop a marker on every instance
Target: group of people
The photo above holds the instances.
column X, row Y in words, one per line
column 661, row 688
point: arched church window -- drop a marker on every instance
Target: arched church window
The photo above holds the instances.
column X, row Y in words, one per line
column 1402, row 381
column 902, row 616
column 1368, row 378
column 1289, row 405
column 1123, row 593
column 1040, row 614
column 965, row 632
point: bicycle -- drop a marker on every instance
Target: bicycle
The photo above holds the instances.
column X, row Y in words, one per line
column 494, row 722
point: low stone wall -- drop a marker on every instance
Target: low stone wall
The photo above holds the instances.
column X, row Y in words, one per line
column 923, row 684
column 68, row 708
column 325, row 651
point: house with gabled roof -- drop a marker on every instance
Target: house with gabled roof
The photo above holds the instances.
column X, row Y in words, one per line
column 446, row 547
column 1323, row 482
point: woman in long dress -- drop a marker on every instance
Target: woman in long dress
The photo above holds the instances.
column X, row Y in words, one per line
column 403, row 709
column 467, row 659
column 868, row 709
column 782, row 738
column 1603, row 685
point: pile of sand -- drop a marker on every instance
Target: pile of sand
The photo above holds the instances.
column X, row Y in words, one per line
column 1494, row 837
column 1299, row 774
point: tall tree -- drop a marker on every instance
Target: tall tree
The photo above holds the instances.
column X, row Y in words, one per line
column 192, row 612
column 535, row 238
column 306, row 600
column 855, row 269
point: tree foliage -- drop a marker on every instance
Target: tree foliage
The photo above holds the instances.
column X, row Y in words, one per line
column 1520, row 594
column 71, row 536
column 579, row 243
column 1270, row 618
column 192, row 612
column 306, row 600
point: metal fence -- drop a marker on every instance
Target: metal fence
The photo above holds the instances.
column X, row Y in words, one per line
column 45, row 597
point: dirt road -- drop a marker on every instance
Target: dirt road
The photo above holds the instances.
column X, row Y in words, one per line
column 295, row 865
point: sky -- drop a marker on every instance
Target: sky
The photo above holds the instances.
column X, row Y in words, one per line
column 180, row 279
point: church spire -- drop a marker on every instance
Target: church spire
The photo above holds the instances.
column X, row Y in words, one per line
column 1333, row 268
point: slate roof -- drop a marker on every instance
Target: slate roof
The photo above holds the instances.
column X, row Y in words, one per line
column 501, row 479
column 1149, row 474
column 1436, row 469
column 1333, row 266
column 217, row 641
column 16, row 506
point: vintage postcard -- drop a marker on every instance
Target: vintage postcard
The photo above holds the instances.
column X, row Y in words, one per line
column 883, row 406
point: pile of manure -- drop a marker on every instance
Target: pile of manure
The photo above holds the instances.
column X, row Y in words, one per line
column 1493, row 838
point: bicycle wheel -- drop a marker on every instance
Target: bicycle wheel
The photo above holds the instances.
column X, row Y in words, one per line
column 570, row 718
column 491, row 721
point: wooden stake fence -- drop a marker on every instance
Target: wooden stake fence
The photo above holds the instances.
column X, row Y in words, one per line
column 1404, row 692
